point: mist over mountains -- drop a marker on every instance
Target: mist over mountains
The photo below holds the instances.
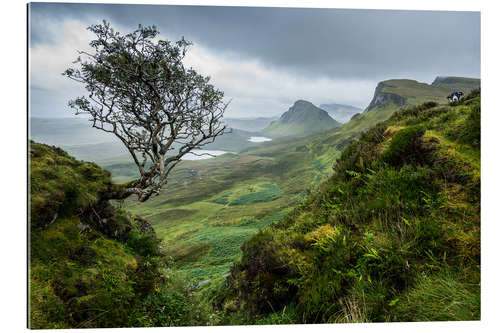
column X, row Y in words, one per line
column 340, row 112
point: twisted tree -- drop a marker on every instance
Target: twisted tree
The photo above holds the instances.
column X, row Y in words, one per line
column 139, row 90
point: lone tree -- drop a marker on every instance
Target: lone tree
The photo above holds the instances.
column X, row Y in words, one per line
column 139, row 90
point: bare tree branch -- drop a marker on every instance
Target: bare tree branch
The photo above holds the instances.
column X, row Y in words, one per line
column 140, row 91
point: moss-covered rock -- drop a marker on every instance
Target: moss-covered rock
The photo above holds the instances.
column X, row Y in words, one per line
column 92, row 264
column 62, row 186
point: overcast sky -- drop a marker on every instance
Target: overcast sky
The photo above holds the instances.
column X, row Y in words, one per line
column 264, row 59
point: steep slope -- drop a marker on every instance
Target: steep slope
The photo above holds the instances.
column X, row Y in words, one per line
column 301, row 119
column 340, row 112
column 91, row 264
column 393, row 235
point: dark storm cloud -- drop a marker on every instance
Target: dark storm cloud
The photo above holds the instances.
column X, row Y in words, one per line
column 364, row 44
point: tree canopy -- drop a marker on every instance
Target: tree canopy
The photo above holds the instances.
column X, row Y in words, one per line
column 140, row 90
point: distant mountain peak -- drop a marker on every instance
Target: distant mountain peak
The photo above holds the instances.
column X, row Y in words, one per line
column 302, row 118
column 302, row 102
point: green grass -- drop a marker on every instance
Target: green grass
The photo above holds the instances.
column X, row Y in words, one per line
column 393, row 235
column 91, row 265
column 204, row 237
column 443, row 297
column 418, row 92
column 223, row 199
column 303, row 118
column 265, row 192
column 231, row 198
column 59, row 183
column 229, row 189
column 331, row 230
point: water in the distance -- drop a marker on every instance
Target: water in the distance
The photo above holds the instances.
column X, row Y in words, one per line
column 258, row 139
column 197, row 154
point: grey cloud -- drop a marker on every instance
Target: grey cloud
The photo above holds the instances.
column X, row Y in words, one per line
column 325, row 55
column 336, row 43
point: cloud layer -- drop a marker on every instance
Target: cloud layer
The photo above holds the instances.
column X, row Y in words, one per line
column 266, row 58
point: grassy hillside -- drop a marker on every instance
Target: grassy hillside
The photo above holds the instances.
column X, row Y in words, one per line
column 234, row 141
column 94, row 264
column 413, row 92
column 301, row 119
column 85, row 143
column 212, row 206
column 91, row 264
column 198, row 199
column 391, row 95
column 393, row 235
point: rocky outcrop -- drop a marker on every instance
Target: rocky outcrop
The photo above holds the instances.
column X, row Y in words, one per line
column 381, row 98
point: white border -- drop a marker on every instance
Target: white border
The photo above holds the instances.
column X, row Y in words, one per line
column 13, row 139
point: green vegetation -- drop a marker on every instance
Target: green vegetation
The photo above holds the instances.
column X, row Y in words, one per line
column 393, row 235
column 204, row 236
column 303, row 118
column 194, row 205
column 415, row 93
column 204, row 216
column 267, row 192
column 257, row 193
column 93, row 265
column 442, row 297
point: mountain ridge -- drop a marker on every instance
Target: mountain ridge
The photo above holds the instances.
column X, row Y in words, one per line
column 302, row 118
column 403, row 92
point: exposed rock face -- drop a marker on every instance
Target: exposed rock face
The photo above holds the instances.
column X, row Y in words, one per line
column 381, row 98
